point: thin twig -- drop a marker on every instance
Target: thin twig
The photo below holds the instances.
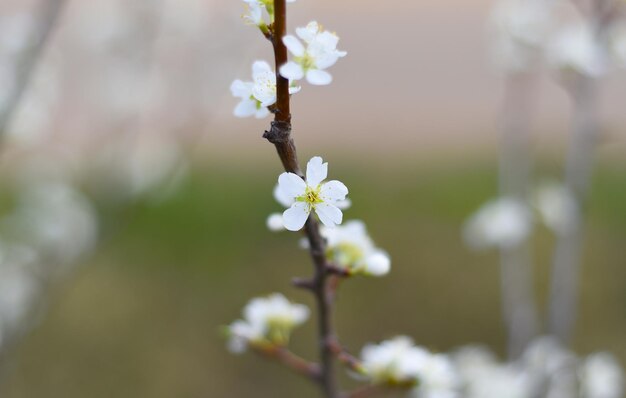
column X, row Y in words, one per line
column 299, row 365
column 280, row 135
column 518, row 305
column 578, row 169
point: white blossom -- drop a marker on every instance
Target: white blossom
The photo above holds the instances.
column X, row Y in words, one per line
column 311, row 61
column 311, row 195
column 519, row 29
column 503, row 222
column 351, row 248
column 576, row 48
column 557, row 206
column 258, row 94
column 394, row 361
column 275, row 222
column 437, row 378
column 602, row 377
column 266, row 319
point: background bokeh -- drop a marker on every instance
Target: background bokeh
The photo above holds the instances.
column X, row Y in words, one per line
column 409, row 125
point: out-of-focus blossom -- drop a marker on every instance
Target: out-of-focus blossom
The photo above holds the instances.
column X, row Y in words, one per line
column 275, row 222
column 351, row 248
column 503, row 222
column 519, row 29
column 312, row 195
column 311, row 61
column 556, row 206
column 576, row 48
column 399, row 362
column 257, row 95
column 55, row 219
column 394, row 361
column 266, row 320
column 437, row 378
column 602, row 377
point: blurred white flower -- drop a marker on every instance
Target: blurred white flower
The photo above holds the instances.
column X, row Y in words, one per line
column 503, row 222
column 437, row 378
column 394, row 361
column 314, row 194
column 254, row 15
column 257, row 95
column 55, row 219
column 266, row 319
column 556, row 206
column 311, row 61
column 576, row 48
column 519, row 29
column 275, row 222
column 351, row 248
column 602, row 377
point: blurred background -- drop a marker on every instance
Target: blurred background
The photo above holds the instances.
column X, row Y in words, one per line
column 135, row 203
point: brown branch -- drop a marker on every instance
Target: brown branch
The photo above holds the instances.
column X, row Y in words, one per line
column 299, row 365
column 347, row 359
column 280, row 135
column 27, row 60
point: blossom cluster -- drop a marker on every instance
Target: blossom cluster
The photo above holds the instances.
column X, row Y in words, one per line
column 398, row 362
column 545, row 369
column 313, row 49
column 528, row 31
column 266, row 321
column 506, row 222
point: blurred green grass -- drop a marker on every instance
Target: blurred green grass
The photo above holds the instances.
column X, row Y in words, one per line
column 141, row 317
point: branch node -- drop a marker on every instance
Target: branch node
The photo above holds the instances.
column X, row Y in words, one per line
column 279, row 132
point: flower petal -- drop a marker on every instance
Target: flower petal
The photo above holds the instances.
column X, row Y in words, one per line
column 241, row 89
column 291, row 185
column 329, row 215
column 316, row 171
column 260, row 68
column 295, row 217
column 309, row 32
column 245, row 108
column 318, row 77
column 293, row 45
column 334, row 191
column 283, row 197
column 275, row 222
column 292, row 71
column 377, row 263
column 261, row 112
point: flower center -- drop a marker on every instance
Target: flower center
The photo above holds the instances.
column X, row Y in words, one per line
column 312, row 196
column 306, row 61
column 346, row 254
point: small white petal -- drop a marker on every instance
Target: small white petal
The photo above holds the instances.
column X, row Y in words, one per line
column 291, row 185
column 294, row 89
column 378, row 263
column 293, row 45
column 275, row 222
column 295, row 217
column 333, row 191
column 283, row 197
column 343, row 204
column 329, row 215
column 245, row 108
column 260, row 68
column 261, row 112
column 292, row 71
column 316, row 171
column 241, row 89
column 318, row 77
column 308, row 33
